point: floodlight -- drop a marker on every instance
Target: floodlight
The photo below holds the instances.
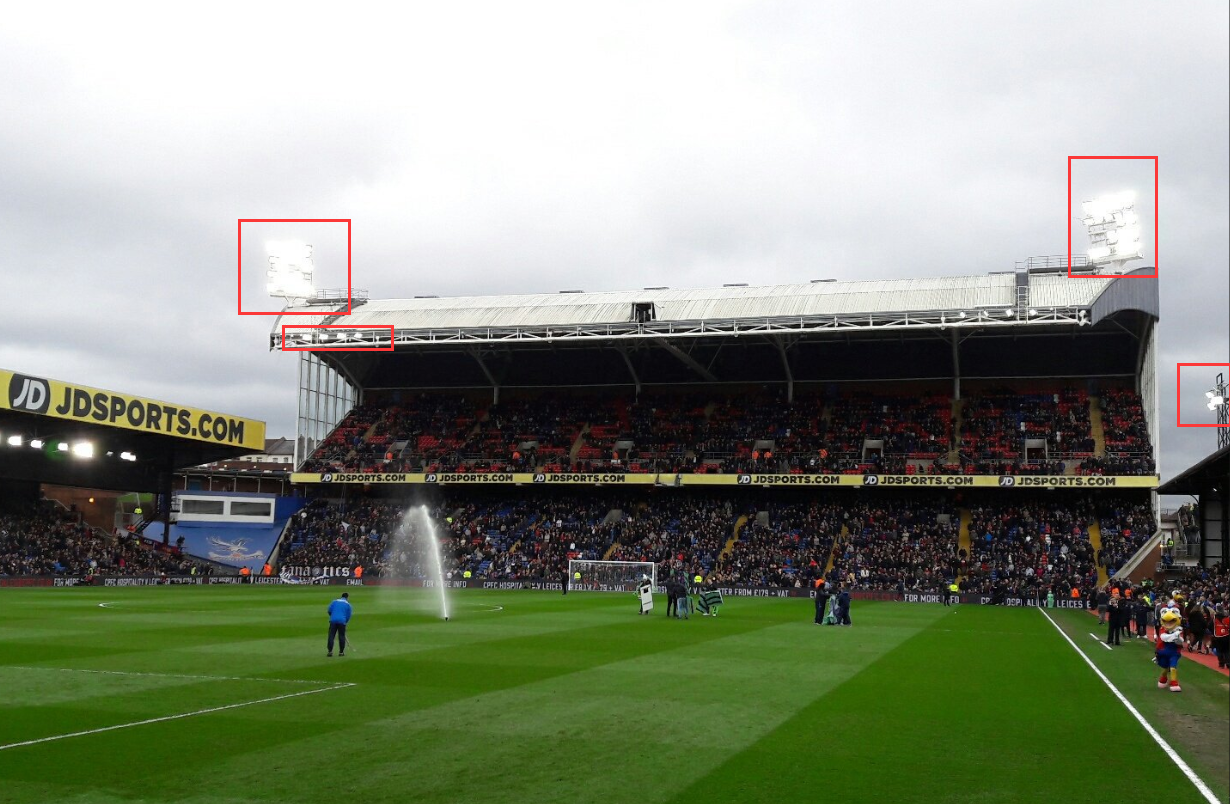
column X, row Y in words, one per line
column 1113, row 226
column 290, row 269
column 83, row 449
column 127, row 456
column 62, row 447
column 1215, row 400
column 37, row 443
column 15, row 441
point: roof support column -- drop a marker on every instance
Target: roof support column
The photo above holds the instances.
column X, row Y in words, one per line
column 781, row 350
column 166, row 493
column 956, row 367
column 687, row 360
column 495, row 384
column 627, row 362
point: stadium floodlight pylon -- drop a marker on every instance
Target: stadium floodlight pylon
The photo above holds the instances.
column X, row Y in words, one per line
column 611, row 575
column 290, row 270
column 1114, row 229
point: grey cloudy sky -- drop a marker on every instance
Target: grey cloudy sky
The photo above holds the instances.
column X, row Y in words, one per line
column 506, row 147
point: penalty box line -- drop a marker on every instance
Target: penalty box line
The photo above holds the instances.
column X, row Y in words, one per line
column 179, row 716
column 1157, row 738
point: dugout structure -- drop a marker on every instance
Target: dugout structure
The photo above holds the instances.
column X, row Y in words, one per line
column 1209, row 482
column 1033, row 323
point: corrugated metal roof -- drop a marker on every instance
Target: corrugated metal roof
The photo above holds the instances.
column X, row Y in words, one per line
column 769, row 301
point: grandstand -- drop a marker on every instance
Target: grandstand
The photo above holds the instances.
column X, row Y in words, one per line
column 982, row 388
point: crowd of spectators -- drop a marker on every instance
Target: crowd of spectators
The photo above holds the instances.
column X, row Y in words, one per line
column 1036, row 545
column 900, row 544
column 743, row 432
column 1126, row 523
column 790, row 547
column 686, row 533
column 45, row 540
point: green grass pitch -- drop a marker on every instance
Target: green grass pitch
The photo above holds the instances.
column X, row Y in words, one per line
column 577, row 699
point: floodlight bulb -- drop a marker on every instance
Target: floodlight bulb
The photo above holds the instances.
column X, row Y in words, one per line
column 127, row 456
column 83, row 449
column 37, row 443
column 15, row 441
column 62, row 446
column 1099, row 252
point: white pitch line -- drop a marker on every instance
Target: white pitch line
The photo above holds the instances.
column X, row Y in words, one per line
column 103, row 605
column 1100, row 642
column 172, row 717
column 160, row 675
column 1157, row 738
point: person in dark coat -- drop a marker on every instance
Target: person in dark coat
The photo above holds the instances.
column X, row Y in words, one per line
column 843, row 602
column 672, row 597
column 1114, row 619
column 822, row 600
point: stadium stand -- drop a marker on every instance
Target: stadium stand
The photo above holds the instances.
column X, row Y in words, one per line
column 1003, row 431
column 44, row 540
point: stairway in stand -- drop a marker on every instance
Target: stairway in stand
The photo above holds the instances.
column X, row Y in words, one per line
column 964, row 540
column 840, row 540
column 1095, row 538
column 730, row 543
column 1097, row 426
column 577, row 445
column 954, row 451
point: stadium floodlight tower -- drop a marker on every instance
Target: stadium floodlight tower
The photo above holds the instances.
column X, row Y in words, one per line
column 1114, row 231
column 290, row 270
column 1221, row 406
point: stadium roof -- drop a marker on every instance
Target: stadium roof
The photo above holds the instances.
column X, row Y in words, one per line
column 134, row 442
column 1206, row 474
column 1009, row 298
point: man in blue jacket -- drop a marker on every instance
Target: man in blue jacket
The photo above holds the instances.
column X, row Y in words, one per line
column 339, row 615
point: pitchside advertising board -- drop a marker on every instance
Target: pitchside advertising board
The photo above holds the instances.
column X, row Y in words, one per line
column 676, row 480
column 344, row 576
column 79, row 403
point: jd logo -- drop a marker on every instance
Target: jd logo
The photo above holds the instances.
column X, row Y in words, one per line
column 1007, row 481
column 29, row 393
column 540, row 478
column 327, row 477
column 744, row 480
column 431, row 478
column 871, row 480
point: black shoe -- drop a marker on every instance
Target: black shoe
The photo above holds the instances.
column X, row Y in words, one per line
column 329, row 655
column 343, row 653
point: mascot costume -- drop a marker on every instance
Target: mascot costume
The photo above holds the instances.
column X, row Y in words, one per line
column 1169, row 646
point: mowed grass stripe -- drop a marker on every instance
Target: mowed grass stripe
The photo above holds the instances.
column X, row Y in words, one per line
column 447, row 674
column 956, row 717
column 631, row 729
